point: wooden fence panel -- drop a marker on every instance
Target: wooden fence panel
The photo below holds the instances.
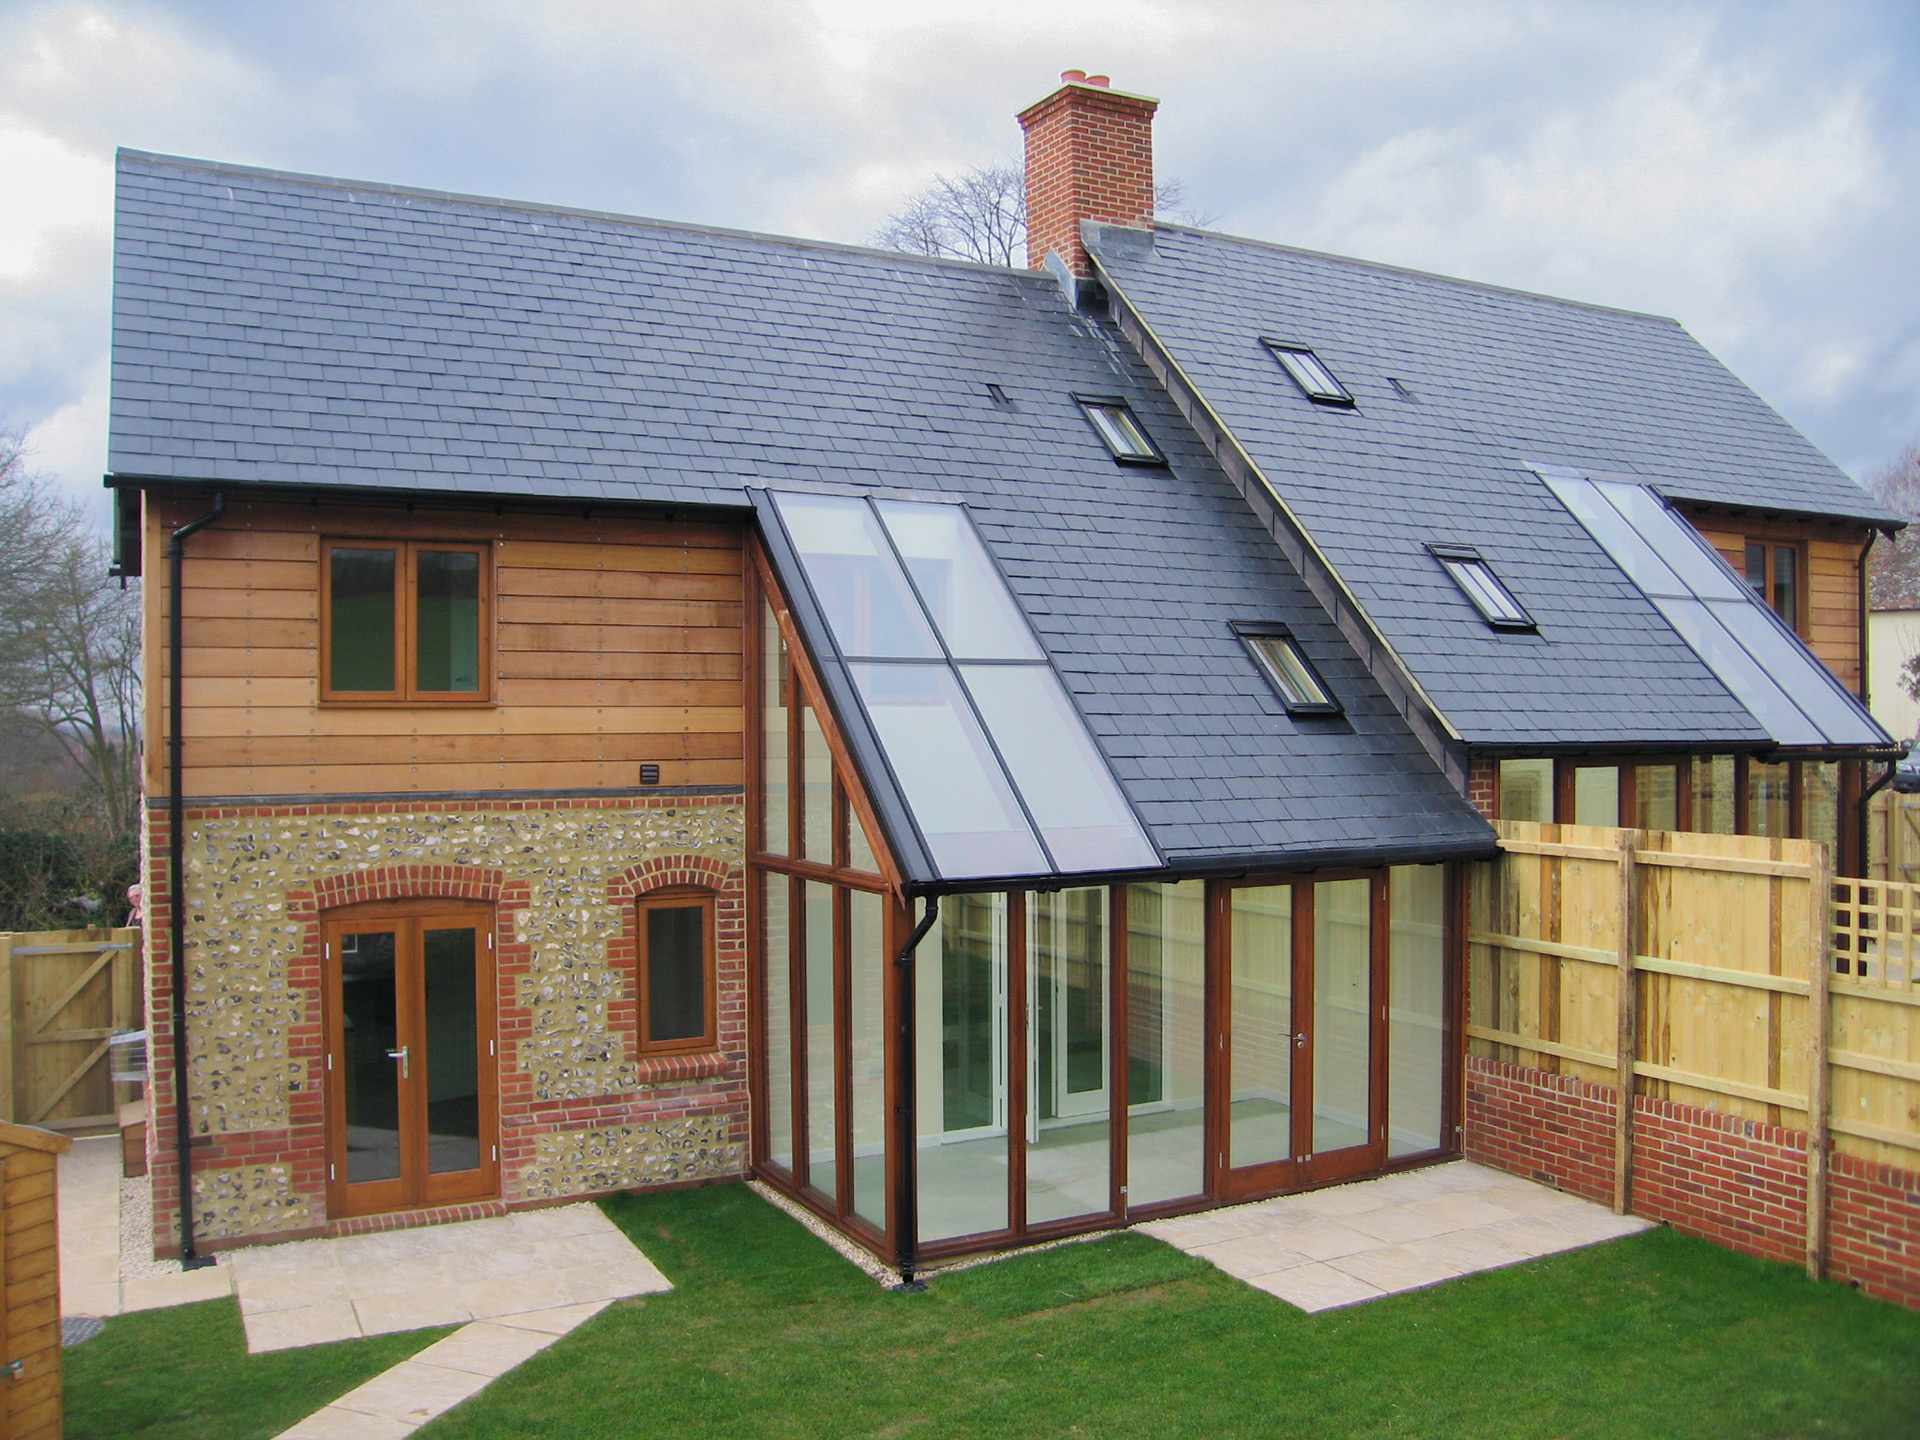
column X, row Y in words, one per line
column 1893, row 837
column 1727, row 1007
column 62, row 994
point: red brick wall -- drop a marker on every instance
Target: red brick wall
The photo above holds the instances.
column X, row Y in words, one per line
column 1482, row 787
column 1738, row 1182
column 1089, row 157
column 672, row 1087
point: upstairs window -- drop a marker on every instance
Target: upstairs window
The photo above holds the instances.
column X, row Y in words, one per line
column 1482, row 587
column 1774, row 573
column 404, row 621
column 1310, row 373
column 676, row 972
column 1288, row 670
column 1122, row 434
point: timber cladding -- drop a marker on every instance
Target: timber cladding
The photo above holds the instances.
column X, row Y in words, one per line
column 30, row 1282
column 1830, row 618
column 615, row 641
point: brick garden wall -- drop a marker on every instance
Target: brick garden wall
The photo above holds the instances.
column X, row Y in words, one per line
column 1735, row 1181
column 580, row 1111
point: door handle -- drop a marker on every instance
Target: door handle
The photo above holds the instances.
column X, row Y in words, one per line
column 401, row 1056
column 1300, row 1041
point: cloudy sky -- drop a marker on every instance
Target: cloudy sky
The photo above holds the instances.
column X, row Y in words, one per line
column 1744, row 166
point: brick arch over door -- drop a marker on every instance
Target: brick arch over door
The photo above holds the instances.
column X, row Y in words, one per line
column 406, row 882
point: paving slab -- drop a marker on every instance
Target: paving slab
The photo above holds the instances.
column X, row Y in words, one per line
column 308, row 1292
column 1352, row 1243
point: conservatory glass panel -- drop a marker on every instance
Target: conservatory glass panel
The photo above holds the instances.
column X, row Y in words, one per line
column 960, row 1058
column 1260, row 1045
column 1166, row 1041
column 867, row 1052
column 1342, row 1014
column 1068, row 1153
column 817, row 996
column 1416, row 1007
column 776, row 906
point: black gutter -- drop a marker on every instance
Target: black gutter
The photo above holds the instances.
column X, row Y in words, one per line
column 906, row 1207
column 1224, row 867
column 190, row 1259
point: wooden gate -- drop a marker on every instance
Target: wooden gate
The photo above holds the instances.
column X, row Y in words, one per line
column 62, row 994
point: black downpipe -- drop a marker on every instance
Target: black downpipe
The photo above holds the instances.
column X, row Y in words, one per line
column 906, row 1204
column 190, row 1258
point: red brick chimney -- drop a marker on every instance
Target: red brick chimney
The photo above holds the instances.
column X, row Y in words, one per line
column 1089, row 157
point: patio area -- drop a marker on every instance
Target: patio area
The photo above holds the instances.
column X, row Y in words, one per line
column 1340, row 1246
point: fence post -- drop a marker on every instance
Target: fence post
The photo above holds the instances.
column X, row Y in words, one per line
column 1627, row 1041
column 6, row 1029
column 1819, row 972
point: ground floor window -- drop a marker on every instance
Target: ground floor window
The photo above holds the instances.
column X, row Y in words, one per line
column 1092, row 1054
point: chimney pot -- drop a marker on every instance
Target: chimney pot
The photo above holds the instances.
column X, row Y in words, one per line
column 1089, row 157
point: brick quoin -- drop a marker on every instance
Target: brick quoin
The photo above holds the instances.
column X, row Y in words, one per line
column 1737, row 1182
column 1089, row 157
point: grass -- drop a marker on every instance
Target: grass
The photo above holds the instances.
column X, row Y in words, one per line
column 769, row 1333
column 184, row 1374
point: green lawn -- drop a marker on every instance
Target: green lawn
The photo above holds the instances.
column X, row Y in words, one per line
column 768, row 1333
column 184, row 1374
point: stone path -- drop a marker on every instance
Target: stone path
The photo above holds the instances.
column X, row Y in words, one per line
column 1335, row 1247
column 310, row 1292
column 99, row 1275
column 458, row 1367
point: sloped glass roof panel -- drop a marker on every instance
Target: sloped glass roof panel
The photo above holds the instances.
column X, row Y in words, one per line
column 856, row 578
column 952, row 781
column 1752, row 686
column 971, row 740
column 1071, row 795
column 956, row 577
column 1768, row 669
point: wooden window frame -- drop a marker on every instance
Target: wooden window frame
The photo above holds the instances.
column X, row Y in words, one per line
column 677, row 897
column 406, row 691
column 1797, row 622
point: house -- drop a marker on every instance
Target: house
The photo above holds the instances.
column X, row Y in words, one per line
column 994, row 753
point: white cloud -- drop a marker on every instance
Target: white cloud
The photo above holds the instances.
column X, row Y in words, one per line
column 71, row 444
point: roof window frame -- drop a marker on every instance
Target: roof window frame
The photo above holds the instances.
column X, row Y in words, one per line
column 1250, row 632
column 1455, row 558
column 1152, row 455
column 1338, row 398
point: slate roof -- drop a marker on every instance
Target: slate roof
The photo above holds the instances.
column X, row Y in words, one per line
column 1497, row 380
column 288, row 330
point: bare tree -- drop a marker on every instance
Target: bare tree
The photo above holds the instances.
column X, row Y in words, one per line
column 69, row 639
column 982, row 215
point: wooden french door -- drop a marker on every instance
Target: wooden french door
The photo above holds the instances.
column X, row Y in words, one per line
column 1298, row 1057
column 412, row 1098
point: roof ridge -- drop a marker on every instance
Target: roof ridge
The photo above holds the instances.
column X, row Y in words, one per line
column 535, row 207
column 1409, row 270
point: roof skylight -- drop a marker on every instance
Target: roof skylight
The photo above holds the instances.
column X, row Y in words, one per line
column 1480, row 585
column 1791, row 694
column 996, row 768
column 1309, row 372
column 1116, row 426
column 1288, row 670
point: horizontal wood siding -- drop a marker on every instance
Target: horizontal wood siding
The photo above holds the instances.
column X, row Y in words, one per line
column 617, row 642
column 1830, row 608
